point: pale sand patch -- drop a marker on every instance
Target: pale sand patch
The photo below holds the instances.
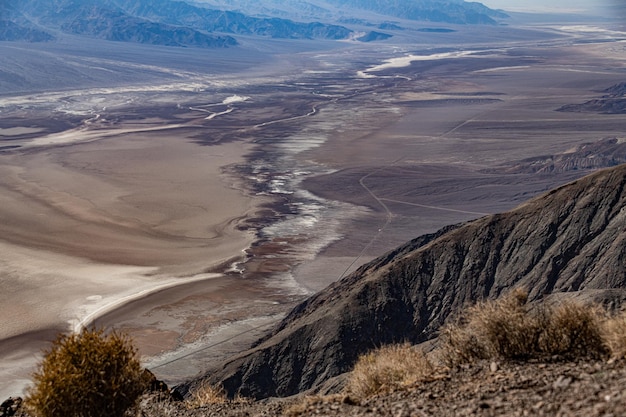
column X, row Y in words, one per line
column 140, row 200
column 16, row 131
column 88, row 227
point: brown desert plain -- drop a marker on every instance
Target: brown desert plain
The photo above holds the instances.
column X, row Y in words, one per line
column 194, row 219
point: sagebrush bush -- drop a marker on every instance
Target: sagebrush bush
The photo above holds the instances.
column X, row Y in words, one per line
column 572, row 330
column 500, row 328
column 206, row 394
column 388, row 368
column 507, row 328
column 614, row 335
column 89, row 374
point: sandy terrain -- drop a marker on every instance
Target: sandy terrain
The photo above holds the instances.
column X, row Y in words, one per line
column 88, row 228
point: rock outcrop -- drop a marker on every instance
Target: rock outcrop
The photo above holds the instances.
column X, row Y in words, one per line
column 604, row 153
column 613, row 102
column 10, row 406
column 572, row 239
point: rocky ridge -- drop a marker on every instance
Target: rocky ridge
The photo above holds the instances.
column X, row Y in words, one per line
column 612, row 102
column 571, row 239
column 592, row 155
column 157, row 22
column 213, row 24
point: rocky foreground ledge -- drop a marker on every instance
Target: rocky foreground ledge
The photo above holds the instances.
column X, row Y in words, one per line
column 582, row 388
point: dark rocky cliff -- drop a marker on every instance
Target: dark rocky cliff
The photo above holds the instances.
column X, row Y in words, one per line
column 571, row 239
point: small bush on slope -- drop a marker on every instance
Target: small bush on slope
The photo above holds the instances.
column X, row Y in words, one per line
column 614, row 335
column 508, row 329
column 500, row 328
column 573, row 331
column 90, row 374
column 388, row 368
column 206, row 394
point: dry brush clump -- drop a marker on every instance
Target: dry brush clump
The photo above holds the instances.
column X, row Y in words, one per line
column 88, row 374
column 501, row 328
column 614, row 335
column 388, row 368
column 573, row 330
column 508, row 328
column 206, row 394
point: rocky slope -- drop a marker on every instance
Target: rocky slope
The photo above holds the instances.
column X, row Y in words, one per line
column 205, row 25
column 566, row 389
column 612, row 102
column 572, row 239
column 571, row 389
column 158, row 22
column 15, row 27
column 442, row 11
column 604, row 153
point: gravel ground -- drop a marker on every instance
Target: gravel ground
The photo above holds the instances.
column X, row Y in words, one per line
column 585, row 388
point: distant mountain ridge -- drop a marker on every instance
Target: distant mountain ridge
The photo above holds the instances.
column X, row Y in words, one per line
column 158, row 22
column 213, row 23
column 571, row 240
column 442, row 11
column 613, row 102
column 15, row 27
column 447, row 11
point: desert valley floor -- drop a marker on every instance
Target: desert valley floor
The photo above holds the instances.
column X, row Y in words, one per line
column 193, row 212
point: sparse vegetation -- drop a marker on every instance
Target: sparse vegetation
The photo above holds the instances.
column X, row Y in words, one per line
column 614, row 335
column 90, row 374
column 508, row 328
column 206, row 394
column 573, row 330
column 505, row 329
column 388, row 368
column 93, row 374
column 501, row 328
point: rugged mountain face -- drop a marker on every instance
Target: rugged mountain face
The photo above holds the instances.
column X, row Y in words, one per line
column 157, row 22
column 448, row 11
column 188, row 23
column 445, row 11
column 572, row 239
column 612, row 102
column 15, row 27
column 11, row 31
column 593, row 155
column 182, row 13
column 104, row 20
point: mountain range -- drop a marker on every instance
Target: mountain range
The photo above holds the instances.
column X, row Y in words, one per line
column 446, row 11
column 569, row 241
column 212, row 24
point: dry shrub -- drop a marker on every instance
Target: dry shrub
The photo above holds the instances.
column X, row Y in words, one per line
column 388, row 368
column 572, row 330
column 90, row 374
column 614, row 335
column 207, row 394
column 507, row 328
column 501, row 328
